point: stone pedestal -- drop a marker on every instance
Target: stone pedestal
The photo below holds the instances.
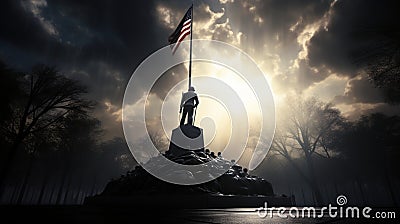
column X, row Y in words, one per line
column 184, row 138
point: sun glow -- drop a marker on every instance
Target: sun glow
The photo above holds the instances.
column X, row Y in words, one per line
column 211, row 81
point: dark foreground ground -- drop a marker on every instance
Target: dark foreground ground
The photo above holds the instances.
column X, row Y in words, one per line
column 115, row 214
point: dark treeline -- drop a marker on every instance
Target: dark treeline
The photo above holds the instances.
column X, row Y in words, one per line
column 317, row 155
column 322, row 155
column 51, row 148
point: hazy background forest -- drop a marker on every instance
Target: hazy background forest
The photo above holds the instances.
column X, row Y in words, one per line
column 52, row 152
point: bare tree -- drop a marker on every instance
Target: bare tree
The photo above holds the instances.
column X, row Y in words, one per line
column 49, row 97
column 302, row 134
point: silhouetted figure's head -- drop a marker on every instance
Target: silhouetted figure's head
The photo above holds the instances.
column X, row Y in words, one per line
column 191, row 88
column 219, row 154
column 207, row 151
column 213, row 155
column 245, row 170
column 233, row 161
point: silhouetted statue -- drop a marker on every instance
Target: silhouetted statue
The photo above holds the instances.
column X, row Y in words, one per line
column 188, row 103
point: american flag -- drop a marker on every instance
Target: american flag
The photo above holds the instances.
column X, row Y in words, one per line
column 182, row 31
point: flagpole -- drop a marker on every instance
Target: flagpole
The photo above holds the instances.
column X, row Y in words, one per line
column 190, row 59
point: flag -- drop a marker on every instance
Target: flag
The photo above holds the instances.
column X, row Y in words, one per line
column 182, row 31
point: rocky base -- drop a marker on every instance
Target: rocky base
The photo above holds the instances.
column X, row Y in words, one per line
column 236, row 181
column 234, row 188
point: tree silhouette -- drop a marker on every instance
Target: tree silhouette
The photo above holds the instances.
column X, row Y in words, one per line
column 373, row 143
column 47, row 98
column 40, row 142
column 9, row 92
column 80, row 135
column 380, row 54
column 303, row 132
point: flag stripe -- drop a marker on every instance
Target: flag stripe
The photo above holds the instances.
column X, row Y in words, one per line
column 181, row 37
column 182, row 31
column 186, row 26
column 187, row 21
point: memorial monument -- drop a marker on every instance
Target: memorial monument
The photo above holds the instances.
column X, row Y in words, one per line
column 235, row 187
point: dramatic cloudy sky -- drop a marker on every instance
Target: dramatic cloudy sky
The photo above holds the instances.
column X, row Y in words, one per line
column 302, row 46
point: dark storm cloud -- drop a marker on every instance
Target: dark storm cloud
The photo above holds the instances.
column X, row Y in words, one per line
column 117, row 29
column 101, row 42
column 20, row 30
column 281, row 15
column 300, row 79
column 355, row 29
column 17, row 26
column 90, row 30
column 360, row 90
column 307, row 76
column 277, row 25
column 113, row 33
column 389, row 110
column 349, row 31
column 102, row 39
column 97, row 42
column 278, row 17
